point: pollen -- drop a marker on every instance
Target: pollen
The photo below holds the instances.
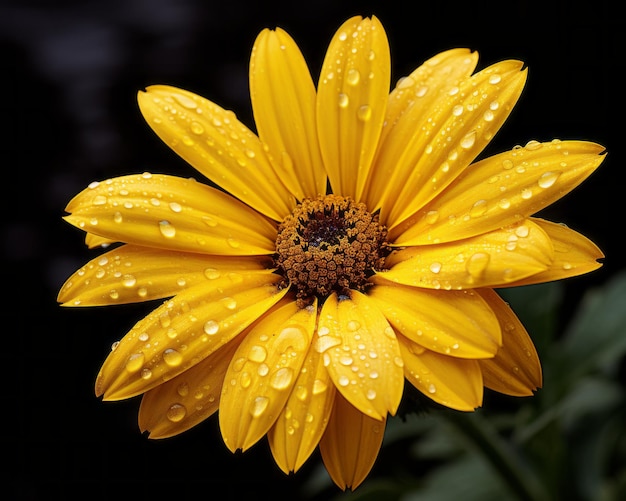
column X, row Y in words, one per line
column 329, row 244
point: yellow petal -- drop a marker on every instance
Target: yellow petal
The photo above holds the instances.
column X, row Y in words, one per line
column 93, row 241
column 283, row 101
column 130, row 274
column 454, row 382
column 497, row 191
column 262, row 373
column 351, row 102
column 191, row 397
column 574, row 254
column 170, row 212
column 435, row 145
column 515, row 370
column 414, row 96
column 361, row 354
column 218, row 145
column 456, row 323
column 300, row 425
column 184, row 330
column 497, row 258
column 351, row 443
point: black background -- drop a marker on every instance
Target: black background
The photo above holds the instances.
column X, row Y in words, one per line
column 68, row 110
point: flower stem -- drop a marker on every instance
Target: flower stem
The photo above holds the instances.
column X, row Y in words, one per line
column 506, row 461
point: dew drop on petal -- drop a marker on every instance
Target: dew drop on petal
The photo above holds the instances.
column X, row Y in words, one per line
column 176, row 413
column 172, row 357
column 211, row 327
column 477, row 263
column 167, row 230
column 343, row 100
column 353, row 76
column 129, row 281
column 479, row 208
column 258, row 406
column 282, row 378
column 364, row 113
column 548, row 179
column 257, row 354
column 468, row 141
column 135, row 362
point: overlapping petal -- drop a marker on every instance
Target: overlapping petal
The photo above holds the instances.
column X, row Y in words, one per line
column 361, row 354
column 515, row 370
column 218, row 145
column 574, row 254
column 493, row 259
column 130, row 273
column 168, row 212
column 350, row 444
column 262, row 373
column 413, row 94
column 432, row 146
column 184, row 330
column 188, row 399
column 351, row 101
column 455, row 323
column 453, row 382
column 283, row 100
column 500, row 190
column 301, row 423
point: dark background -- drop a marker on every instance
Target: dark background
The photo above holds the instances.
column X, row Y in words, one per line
column 68, row 110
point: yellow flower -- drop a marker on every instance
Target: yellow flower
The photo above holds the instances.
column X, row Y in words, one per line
column 352, row 245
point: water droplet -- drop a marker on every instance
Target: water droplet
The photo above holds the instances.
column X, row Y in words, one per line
column 176, row 413
column 135, row 362
column 99, row 200
column 211, row 327
column 526, row 193
column 167, row 230
column 323, row 343
column 432, row 388
column 343, row 100
column 212, row 273
column 187, row 141
column 548, row 179
column 488, row 116
column 175, row 207
column 353, row 76
column 257, row 354
column 233, row 243
column 507, row 164
column 494, row 79
column 435, row 267
column 371, row 394
column 432, row 216
column 343, row 381
column 146, row 374
column 478, row 209
column 319, row 386
column 477, row 263
column 364, row 113
column 117, row 217
column 129, row 281
column 182, row 389
column 457, row 110
column 172, row 357
column 504, row 203
column 197, row 128
column 469, row 140
column 533, row 145
column 282, row 378
column 259, row 405
column 229, row 302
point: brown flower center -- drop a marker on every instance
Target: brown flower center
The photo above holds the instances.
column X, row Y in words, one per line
column 329, row 244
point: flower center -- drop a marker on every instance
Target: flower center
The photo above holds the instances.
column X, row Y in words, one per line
column 330, row 244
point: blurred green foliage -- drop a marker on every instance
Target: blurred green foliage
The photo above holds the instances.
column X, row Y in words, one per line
column 568, row 442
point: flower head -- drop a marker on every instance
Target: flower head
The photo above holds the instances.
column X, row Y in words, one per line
column 352, row 245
